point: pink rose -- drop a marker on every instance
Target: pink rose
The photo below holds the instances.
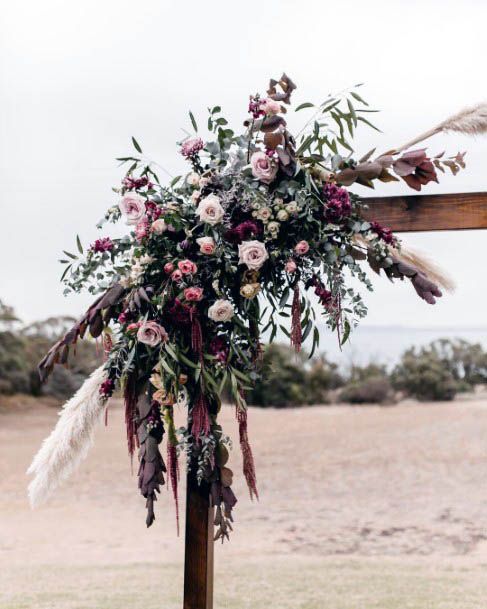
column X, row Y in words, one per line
column 151, row 333
column 132, row 206
column 253, row 254
column 159, row 226
column 177, row 275
column 221, row 310
column 263, row 167
column 302, row 248
column 193, row 294
column 168, row 268
column 133, row 327
column 210, row 210
column 207, row 245
column 187, row 267
column 142, row 229
column 290, row 266
column 270, row 106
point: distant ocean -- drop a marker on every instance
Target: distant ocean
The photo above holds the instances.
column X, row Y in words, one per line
column 385, row 344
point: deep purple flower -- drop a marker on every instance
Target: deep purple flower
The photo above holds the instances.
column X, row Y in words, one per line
column 190, row 148
column 242, row 232
column 105, row 244
column 384, row 233
column 124, row 317
column 178, row 312
column 337, row 205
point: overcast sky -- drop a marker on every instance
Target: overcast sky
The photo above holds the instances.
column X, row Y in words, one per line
column 78, row 79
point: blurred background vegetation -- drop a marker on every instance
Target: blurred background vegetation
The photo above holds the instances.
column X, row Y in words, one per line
column 435, row 372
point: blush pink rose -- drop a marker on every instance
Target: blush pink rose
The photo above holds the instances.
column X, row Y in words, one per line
column 302, row 248
column 151, row 333
column 187, row 267
column 207, row 245
column 159, row 226
column 177, row 275
column 290, row 266
column 263, row 167
column 253, row 254
column 193, row 294
column 168, row 268
column 270, row 106
column 132, row 207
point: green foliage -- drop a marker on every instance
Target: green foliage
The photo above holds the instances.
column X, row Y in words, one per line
column 370, row 390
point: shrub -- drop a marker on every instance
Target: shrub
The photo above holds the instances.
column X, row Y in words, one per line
column 372, row 390
column 424, row 375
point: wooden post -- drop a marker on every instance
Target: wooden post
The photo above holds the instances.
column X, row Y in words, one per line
column 198, row 561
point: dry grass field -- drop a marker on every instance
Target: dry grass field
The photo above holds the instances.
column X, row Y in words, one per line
column 360, row 508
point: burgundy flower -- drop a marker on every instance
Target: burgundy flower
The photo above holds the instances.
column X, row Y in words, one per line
column 131, row 183
column 106, row 388
column 242, row 232
column 219, row 348
column 255, row 107
column 105, row 244
column 415, row 168
column 337, row 205
column 384, row 233
column 152, row 210
column 178, row 312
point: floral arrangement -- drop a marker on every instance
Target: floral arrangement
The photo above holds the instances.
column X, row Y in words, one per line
column 217, row 258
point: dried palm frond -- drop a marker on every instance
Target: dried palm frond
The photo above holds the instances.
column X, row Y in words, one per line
column 469, row 121
column 69, row 442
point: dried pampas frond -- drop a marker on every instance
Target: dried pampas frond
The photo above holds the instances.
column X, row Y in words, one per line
column 425, row 265
column 69, row 443
column 469, row 121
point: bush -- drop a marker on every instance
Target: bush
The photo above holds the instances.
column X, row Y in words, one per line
column 372, row 390
column 424, row 375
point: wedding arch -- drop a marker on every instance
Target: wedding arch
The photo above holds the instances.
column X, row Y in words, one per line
column 220, row 255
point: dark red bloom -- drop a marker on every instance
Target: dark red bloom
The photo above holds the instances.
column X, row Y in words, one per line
column 153, row 211
column 242, row 232
column 105, row 244
column 337, row 204
column 415, row 168
column 106, row 388
column 384, row 233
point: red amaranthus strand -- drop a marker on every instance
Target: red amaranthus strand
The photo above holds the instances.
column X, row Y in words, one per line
column 173, row 474
column 296, row 334
column 196, row 335
column 200, row 418
column 130, row 397
column 247, row 456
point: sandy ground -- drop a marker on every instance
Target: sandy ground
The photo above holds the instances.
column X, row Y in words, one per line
column 360, row 508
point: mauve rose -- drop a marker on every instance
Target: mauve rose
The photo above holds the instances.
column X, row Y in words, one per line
column 270, row 106
column 151, row 333
column 132, row 207
column 290, row 266
column 159, row 226
column 302, row 248
column 210, row 210
column 253, row 254
column 177, row 275
column 168, row 268
column 193, row 294
column 142, row 229
column 187, row 267
column 221, row 310
column 207, row 245
column 263, row 167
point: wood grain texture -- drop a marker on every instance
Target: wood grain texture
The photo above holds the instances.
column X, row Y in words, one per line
column 460, row 211
column 198, row 560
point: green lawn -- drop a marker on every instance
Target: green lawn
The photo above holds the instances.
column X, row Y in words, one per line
column 281, row 583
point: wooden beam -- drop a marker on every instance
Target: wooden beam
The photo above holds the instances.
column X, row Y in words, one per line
column 198, row 559
column 429, row 212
